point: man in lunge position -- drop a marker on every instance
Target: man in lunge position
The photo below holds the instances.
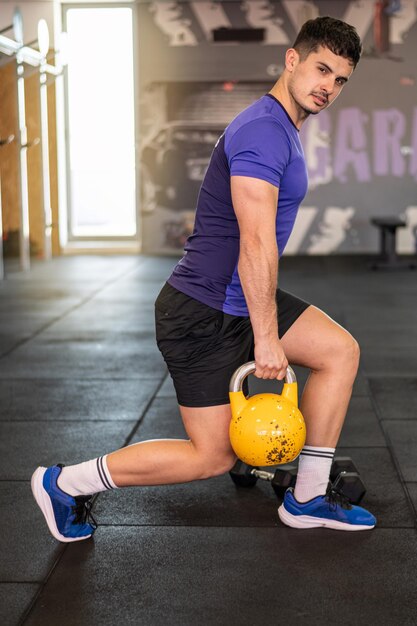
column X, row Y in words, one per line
column 221, row 307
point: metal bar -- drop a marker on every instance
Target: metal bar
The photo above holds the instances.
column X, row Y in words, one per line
column 262, row 474
column 244, row 370
column 26, row 54
column 23, row 173
column 9, row 46
column 46, row 189
column 390, row 243
column 3, row 142
column 30, row 56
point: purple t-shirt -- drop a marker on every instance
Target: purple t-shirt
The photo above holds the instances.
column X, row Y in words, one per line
column 261, row 142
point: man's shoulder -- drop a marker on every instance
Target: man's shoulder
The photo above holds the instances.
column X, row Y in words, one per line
column 260, row 111
column 259, row 121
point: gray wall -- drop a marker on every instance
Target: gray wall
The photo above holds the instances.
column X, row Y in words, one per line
column 361, row 153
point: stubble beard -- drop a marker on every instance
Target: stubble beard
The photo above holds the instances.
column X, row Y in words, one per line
column 301, row 106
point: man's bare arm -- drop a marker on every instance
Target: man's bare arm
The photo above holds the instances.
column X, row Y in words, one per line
column 255, row 205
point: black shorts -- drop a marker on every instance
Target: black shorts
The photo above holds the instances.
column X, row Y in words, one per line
column 202, row 346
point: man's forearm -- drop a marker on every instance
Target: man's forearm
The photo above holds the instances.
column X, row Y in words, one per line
column 258, row 272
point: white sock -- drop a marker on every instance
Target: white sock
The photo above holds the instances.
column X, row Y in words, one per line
column 313, row 472
column 86, row 478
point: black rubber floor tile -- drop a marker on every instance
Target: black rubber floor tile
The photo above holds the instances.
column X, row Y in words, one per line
column 395, row 398
column 103, row 337
column 403, row 438
column 360, row 386
column 79, row 269
column 132, row 291
column 155, row 269
column 361, row 427
column 25, row 445
column 214, row 502
column 412, row 490
column 366, row 317
column 78, row 400
column 36, row 302
column 14, row 600
column 84, row 359
column 223, row 576
column 167, row 389
column 386, row 361
column 114, row 320
column 385, row 496
column 397, row 337
column 28, row 550
column 10, row 341
column 20, row 328
column 162, row 420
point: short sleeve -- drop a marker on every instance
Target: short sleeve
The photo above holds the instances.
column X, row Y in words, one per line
column 260, row 149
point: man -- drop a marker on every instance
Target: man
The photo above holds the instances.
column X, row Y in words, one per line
column 221, row 308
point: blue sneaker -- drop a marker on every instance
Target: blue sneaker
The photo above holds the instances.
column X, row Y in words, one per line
column 332, row 510
column 69, row 518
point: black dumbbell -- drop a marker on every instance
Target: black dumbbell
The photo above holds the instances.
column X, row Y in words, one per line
column 344, row 478
column 283, row 479
column 247, row 476
column 242, row 476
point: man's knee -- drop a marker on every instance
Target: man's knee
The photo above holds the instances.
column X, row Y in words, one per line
column 346, row 353
column 216, row 465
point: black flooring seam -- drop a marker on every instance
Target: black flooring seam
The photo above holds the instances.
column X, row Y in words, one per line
column 20, row 582
column 58, row 559
column 42, row 585
column 394, row 459
column 139, row 421
column 71, row 310
column 402, row 479
column 145, row 410
column 395, row 420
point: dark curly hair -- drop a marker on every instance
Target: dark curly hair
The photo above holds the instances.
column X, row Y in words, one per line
column 341, row 38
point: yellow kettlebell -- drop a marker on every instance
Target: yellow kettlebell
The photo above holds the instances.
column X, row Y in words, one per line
column 268, row 428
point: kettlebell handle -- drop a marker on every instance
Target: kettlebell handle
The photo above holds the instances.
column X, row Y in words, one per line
column 242, row 372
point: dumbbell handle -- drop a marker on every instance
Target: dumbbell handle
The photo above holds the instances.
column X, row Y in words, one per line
column 262, row 474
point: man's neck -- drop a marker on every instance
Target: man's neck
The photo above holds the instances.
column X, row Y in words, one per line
column 281, row 93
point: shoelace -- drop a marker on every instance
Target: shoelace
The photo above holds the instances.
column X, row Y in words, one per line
column 82, row 511
column 335, row 499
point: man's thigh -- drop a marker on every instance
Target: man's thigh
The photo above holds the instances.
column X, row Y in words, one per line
column 314, row 339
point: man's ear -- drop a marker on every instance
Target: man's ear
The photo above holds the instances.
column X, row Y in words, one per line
column 292, row 58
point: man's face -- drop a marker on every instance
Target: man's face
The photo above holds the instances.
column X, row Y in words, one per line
column 317, row 81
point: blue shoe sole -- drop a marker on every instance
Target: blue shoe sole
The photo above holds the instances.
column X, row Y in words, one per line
column 45, row 504
column 308, row 521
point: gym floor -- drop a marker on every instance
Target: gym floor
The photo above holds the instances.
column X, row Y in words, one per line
column 80, row 375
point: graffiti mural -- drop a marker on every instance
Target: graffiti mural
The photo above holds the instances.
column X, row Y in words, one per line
column 361, row 153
